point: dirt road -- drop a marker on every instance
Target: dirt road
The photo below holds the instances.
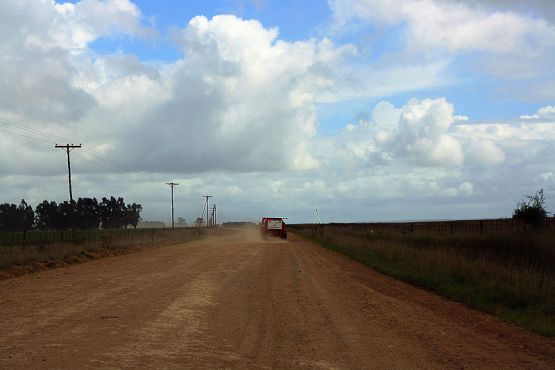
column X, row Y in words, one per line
column 239, row 302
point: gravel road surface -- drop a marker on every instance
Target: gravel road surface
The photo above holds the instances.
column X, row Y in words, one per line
column 236, row 301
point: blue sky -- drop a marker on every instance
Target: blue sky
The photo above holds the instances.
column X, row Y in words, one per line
column 473, row 94
column 355, row 107
column 296, row 20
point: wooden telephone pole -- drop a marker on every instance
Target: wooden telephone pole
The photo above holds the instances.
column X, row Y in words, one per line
column 172, row 184
column 207, row 201
column 213, row 221
column 68, row 148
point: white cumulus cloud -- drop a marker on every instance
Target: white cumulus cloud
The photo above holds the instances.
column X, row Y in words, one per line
column 423, row 133
column 547, row 112
column 240, row 99
column 416, row 133
column 503, row 40
column 460, row 118
column 40, row 43
column 451, row 25
column 484, row 152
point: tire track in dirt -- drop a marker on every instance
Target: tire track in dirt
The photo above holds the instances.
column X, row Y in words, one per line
column 349, row 312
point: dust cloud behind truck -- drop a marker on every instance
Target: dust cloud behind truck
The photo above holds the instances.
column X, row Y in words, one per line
column 273, row 226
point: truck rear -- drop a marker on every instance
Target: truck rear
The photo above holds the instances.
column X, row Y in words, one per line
column 273, row 226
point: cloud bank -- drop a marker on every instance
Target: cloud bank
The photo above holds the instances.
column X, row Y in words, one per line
column 422, row 132
column 235, row 114
column 240, row 99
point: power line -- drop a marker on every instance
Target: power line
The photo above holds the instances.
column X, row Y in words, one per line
column 25, row 136
column 97, row 163
column 110, row 161
column 114, row 164
column 45, row 136
column 104, row 166
column 35, row 131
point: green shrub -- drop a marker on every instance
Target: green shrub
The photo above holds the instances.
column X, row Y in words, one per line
column 532, row 210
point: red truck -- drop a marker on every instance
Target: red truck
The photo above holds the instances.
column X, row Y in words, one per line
column 273, row 226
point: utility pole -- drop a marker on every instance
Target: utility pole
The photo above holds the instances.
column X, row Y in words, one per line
column 317, row 216
column 213, row 215
column 207, row 201
column 67, row 148
column 172, row 184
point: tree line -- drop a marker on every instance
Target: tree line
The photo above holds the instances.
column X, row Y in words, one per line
column 85, row 213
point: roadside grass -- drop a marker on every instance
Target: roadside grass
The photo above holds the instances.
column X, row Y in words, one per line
column 510, row 276
column 16, row 259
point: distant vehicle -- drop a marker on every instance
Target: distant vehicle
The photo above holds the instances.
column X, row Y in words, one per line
column 273, row 226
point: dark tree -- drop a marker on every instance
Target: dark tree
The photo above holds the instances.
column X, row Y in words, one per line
column 46, row 215
column 26, row 216
column 113, row 213
column 532, row 209
column 66, row 215
column 133, row 214
column 8, row 215
column 87, row 213
column 16, row 218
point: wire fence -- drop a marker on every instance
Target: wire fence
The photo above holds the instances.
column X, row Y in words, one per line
column 477, row 227
column 43, row 238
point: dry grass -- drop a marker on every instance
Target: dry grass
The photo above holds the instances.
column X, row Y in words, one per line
column 50, row 253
